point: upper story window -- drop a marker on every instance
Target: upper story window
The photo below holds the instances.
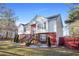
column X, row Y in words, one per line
column 39, row 26
column 44, row 25
column 24, row 29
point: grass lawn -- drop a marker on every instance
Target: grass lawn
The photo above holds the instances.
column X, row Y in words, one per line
column 9, row 49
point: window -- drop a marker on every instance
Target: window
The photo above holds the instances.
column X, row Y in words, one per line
column 45, row 25
column 39, row 26
column 24, row 29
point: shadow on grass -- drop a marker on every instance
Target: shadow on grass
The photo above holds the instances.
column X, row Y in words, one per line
column 11, row 53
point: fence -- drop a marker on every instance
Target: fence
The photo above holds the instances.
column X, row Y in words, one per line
column 70, row 42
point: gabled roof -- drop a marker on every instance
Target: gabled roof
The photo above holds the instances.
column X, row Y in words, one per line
column 48, row 18
column 55, row 16
column 23, row 24
column 35, row 19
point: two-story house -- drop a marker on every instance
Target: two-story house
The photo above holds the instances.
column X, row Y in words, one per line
column 42, row 27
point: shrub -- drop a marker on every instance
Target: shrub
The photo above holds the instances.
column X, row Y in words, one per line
column 28, row 43
column 16, row 39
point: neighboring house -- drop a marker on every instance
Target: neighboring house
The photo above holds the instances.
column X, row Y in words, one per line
column 43, row 27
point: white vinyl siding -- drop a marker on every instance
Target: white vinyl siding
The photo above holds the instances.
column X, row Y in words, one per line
column 20, row 30
column 52, row 25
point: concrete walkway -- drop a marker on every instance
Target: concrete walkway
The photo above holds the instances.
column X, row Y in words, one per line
column 40, row 46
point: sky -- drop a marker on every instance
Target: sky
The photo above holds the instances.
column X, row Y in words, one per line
column 27, row 11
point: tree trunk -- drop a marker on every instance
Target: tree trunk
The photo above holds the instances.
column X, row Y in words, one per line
column 7, row 35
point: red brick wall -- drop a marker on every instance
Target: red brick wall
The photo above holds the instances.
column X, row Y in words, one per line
column 52, row 38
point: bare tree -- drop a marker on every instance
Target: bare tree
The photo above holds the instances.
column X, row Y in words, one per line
column 7, row 20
